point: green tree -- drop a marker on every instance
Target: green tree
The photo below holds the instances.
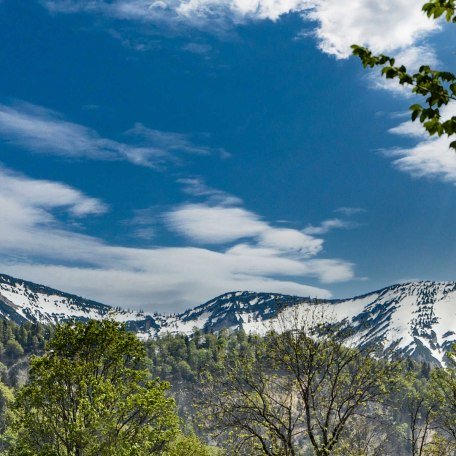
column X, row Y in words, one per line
column 7, row 434
column 13, row 349
column 443, row 387
column 90, row 395
column 302, row 387
column 190, row 446
column 421, row 406
column 438, row 87
column 429, row 411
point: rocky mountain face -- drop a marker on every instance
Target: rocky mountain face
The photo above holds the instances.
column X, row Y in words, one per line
column 416, row 318
column 22, row 301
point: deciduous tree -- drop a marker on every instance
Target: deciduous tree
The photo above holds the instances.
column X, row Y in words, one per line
column 90, row 395
column 302, row 388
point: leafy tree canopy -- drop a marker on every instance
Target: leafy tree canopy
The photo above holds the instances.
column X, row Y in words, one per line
column 90, row 394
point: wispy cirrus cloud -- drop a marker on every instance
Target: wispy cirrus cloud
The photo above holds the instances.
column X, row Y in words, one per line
column 37, row 243
column 45, row 131
column 172, row 143
column 328, row 225
column 384, row 27
column 349, row 211
column 198, row 48
column 42, row 195
column 196, row 187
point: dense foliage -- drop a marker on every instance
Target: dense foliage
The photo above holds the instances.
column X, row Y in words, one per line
column 231, row 386
column 91, row 394
column 96, row 389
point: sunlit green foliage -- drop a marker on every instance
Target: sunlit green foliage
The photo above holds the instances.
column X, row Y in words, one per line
column 74, row 397
column 91, row 395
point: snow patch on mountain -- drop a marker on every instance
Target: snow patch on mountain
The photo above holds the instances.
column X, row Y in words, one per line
column 416, row 318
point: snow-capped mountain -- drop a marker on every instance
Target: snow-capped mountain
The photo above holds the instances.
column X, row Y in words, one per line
column 22, row 301
column 417, row 318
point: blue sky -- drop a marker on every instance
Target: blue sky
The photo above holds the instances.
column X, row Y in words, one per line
column 156, row 154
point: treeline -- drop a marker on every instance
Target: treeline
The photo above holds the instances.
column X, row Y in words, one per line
column 300, row 389
column 189, row 360
column 301, row 392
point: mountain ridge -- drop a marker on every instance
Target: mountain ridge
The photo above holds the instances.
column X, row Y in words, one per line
column 416, row 318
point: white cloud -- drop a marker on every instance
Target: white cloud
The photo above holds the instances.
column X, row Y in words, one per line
column 431, row 157
column 196, row 187
column 47, row 195
column 35, row 244
column 410, row 129
column 415, row 56
column 42, row 130
column 239, row 10
column 220, row 219
column 384, row 26
column 290, row 240
column 214, row 224
column 195, row 12
column 330, row 270
column 329, row 225
column 209, row 224
column 264, row 261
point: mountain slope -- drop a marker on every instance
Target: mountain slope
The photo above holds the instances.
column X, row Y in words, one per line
column 22, row 301
column 416, row 318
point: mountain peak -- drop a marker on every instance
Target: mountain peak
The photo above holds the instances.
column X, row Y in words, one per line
column 417, row 318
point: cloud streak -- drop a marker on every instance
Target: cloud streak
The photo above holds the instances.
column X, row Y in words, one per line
column 384, row 27
column 196, row 187
column 41, row 130
column 328, row 225
column 38, row 243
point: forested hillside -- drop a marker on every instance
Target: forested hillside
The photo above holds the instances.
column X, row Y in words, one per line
column 416, row 318
column 246, row 394
column 398, row 423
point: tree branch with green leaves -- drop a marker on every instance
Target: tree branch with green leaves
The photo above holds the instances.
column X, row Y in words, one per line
column 437, row 87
